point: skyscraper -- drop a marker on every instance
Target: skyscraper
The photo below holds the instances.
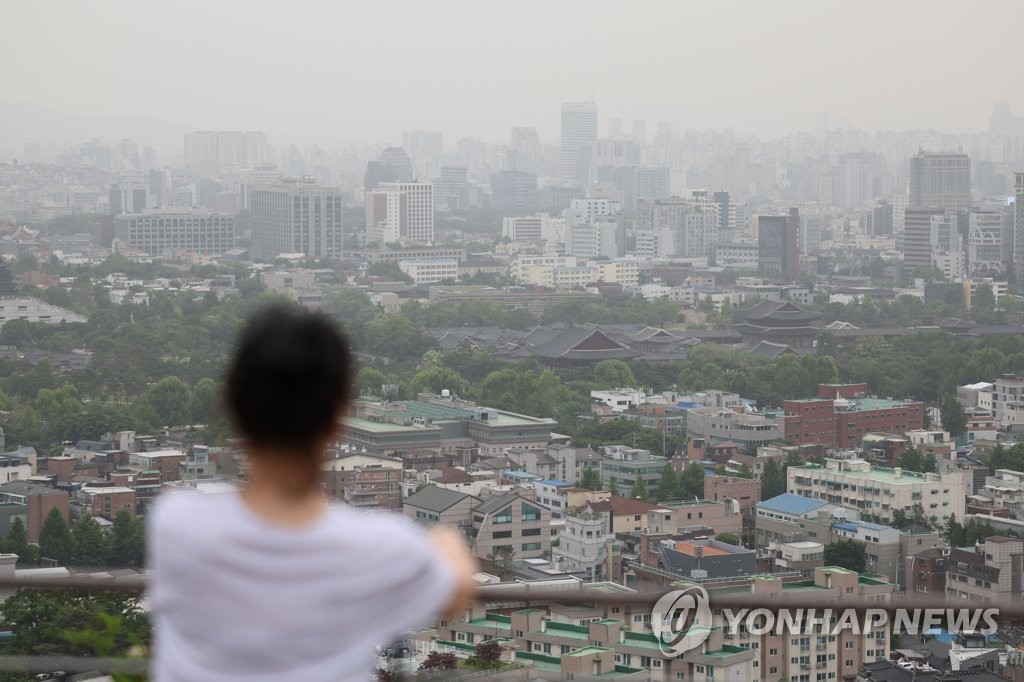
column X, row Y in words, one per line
column 393, row 165
column 1018, row 229
column 400, row 212
column 579, row 132
column 296, row 216
column 940, row 180
column 514, row 191
column 778, row 245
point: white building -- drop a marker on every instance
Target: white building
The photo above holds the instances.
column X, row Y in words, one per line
column 952, row 264
column 619, row 271
column 525, row 265
column 989, row 244
column 579, row 133
column 534, row 228
column 619, row 399
column 739, row 255
column 594, row 229
column 430, row 270
column 879, row 491
column 400, row 212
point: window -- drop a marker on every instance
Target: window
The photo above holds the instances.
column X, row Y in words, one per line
column 531, row 546
column 531, row 531
column 500, row 534
column 530, row 513
column 504, row 516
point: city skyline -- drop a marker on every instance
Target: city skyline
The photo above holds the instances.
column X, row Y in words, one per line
column 768, row 71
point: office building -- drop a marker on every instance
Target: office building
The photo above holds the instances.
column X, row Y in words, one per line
column 128, row 196
column 534, row 228
column 158, row 231
column 296, row 216
column 393, row 165
column 678, row 227
column 989, row 244
column 643, row 183
column 430, row 270
column 579, row 133
column 525, row 152
column 400, row 212
column 514, row 191
column 940, row 180
column 594, row 228
column 920, row 223
column 778, row 244
column 451, row 188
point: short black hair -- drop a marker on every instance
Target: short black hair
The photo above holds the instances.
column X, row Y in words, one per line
column 290, row 378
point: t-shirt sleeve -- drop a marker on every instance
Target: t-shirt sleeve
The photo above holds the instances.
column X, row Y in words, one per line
column 417, row 582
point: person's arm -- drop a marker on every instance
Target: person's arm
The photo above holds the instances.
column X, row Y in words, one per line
column 450, row 544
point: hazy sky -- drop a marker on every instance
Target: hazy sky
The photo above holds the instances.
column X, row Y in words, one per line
column 364, row 71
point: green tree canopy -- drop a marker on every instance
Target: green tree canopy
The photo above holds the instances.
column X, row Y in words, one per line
column 171, row 400
column 55, row 539
column 668, row 487
column 848, row 554
column 91, row 544
column 691, row 482
column 613, row 374
column 954, row 417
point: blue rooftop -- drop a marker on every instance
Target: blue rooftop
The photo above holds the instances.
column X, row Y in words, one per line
column 553, row 482
column 788, row 503
column 852, row 526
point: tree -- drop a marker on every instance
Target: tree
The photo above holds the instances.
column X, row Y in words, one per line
column 123, row 549
column 691, row 482
column 640, row 490
column 848, row 554
column 170, row 399
column 728, row 538
column 954, row 418
column 745, row 471
column 983, row 299
column 91, row 544
column 55, row 539
column 488, row 651
column 613, row 374
column 436, row 379
column 913, row 459
column 440, row 660
column 501, row 561
column 590, row 479
column 668, row 487
column 204, row 401
column 773, row 479
column 613, row 487
column 17, row 542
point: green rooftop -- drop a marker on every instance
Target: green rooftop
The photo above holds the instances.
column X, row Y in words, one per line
column 379, row 427
column 566, row 630
column 583, row 651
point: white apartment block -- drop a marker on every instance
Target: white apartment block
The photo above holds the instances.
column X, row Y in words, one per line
column 524, row 262
column 1007, row 399
column 400, row 212
column 296, row 217
column 534, row 228
column 952, row 264
column 879, row 491
column 430, row 270
column 737, row 255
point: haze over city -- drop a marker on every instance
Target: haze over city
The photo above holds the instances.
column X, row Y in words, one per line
column 333, row 72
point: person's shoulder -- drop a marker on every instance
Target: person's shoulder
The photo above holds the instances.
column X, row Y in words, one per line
column 177, row 509
column 378, row 528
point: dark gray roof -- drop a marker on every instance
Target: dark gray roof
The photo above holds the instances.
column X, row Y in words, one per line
column 767, row 349
column 435, row 499
column 493, row 504
column 583, row 343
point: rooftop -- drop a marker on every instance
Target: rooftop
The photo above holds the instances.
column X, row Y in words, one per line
column 788, row 503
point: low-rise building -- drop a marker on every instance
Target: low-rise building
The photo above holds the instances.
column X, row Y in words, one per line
column 432, row 505
column 795, row 518
column 430, row 270
column 748, row 430
column 878, row 492
column 746, row 491
column 989, row 572
column 886, row 548
column 166, row 462
column 104, row 501
column 511, row 524
column 32, row 503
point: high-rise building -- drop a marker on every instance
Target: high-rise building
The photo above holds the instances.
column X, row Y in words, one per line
column 989, row 244
column 128, row 196
column 778, row 245
column 684, row 228
column 296, row 216
column 525, row 151
column 579, row 133
column 159, row 232
column 400, row 212
column 393, row 165
column 1018, row 230
column 514, row 191
column 917, row 235
column 209, row 152
column 940, row 180
column 451, row 188
column 640, row 184
column 594, row 228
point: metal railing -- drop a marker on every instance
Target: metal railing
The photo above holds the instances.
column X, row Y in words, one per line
column 1011, row 612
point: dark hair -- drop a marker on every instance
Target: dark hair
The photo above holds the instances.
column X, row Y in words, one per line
column 289, row 379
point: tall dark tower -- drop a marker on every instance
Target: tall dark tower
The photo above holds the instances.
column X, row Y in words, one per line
column 8, row 289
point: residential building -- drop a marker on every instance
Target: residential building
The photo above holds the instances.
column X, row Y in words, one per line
column 795, row 518
column 553, row 494
column 685, row 515
column 210, row 152
column 430, row 270
column 527, row 267
column 534, row 228
column 433, row 504
column 926, row 571
column 393, row 165
column 878, row 492
column 166, row 462
column 512, row 524
column 32, row 503
column 625, row 466
column 400, row 212
column 585, row 546
column 579, row 133
column 296, row 216
column 746, row 491
column 940, row 180
column 678, row 227
column 886, row 549
column 1007, row 398
column 990, row 572
column 802, row 556
column 622, row 514
column 1004, row 490
column 105, row 501
column 159, row 232
column 1018, row 230
column 748, row 430
column 618, row 271
column 451, row 188
column 394, row 256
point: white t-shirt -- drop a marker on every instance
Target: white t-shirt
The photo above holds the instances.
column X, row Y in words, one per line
column 235, row 597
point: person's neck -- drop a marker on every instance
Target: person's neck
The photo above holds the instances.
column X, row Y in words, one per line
column 284, row 488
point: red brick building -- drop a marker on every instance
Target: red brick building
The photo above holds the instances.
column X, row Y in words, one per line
column 34, row 502
column 746, row 490
column 926, row 572
column 839, row 421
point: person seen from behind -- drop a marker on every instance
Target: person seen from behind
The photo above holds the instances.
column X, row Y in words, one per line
column 272, row 582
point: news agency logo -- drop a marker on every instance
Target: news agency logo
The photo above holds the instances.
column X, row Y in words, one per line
column 681, row 620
